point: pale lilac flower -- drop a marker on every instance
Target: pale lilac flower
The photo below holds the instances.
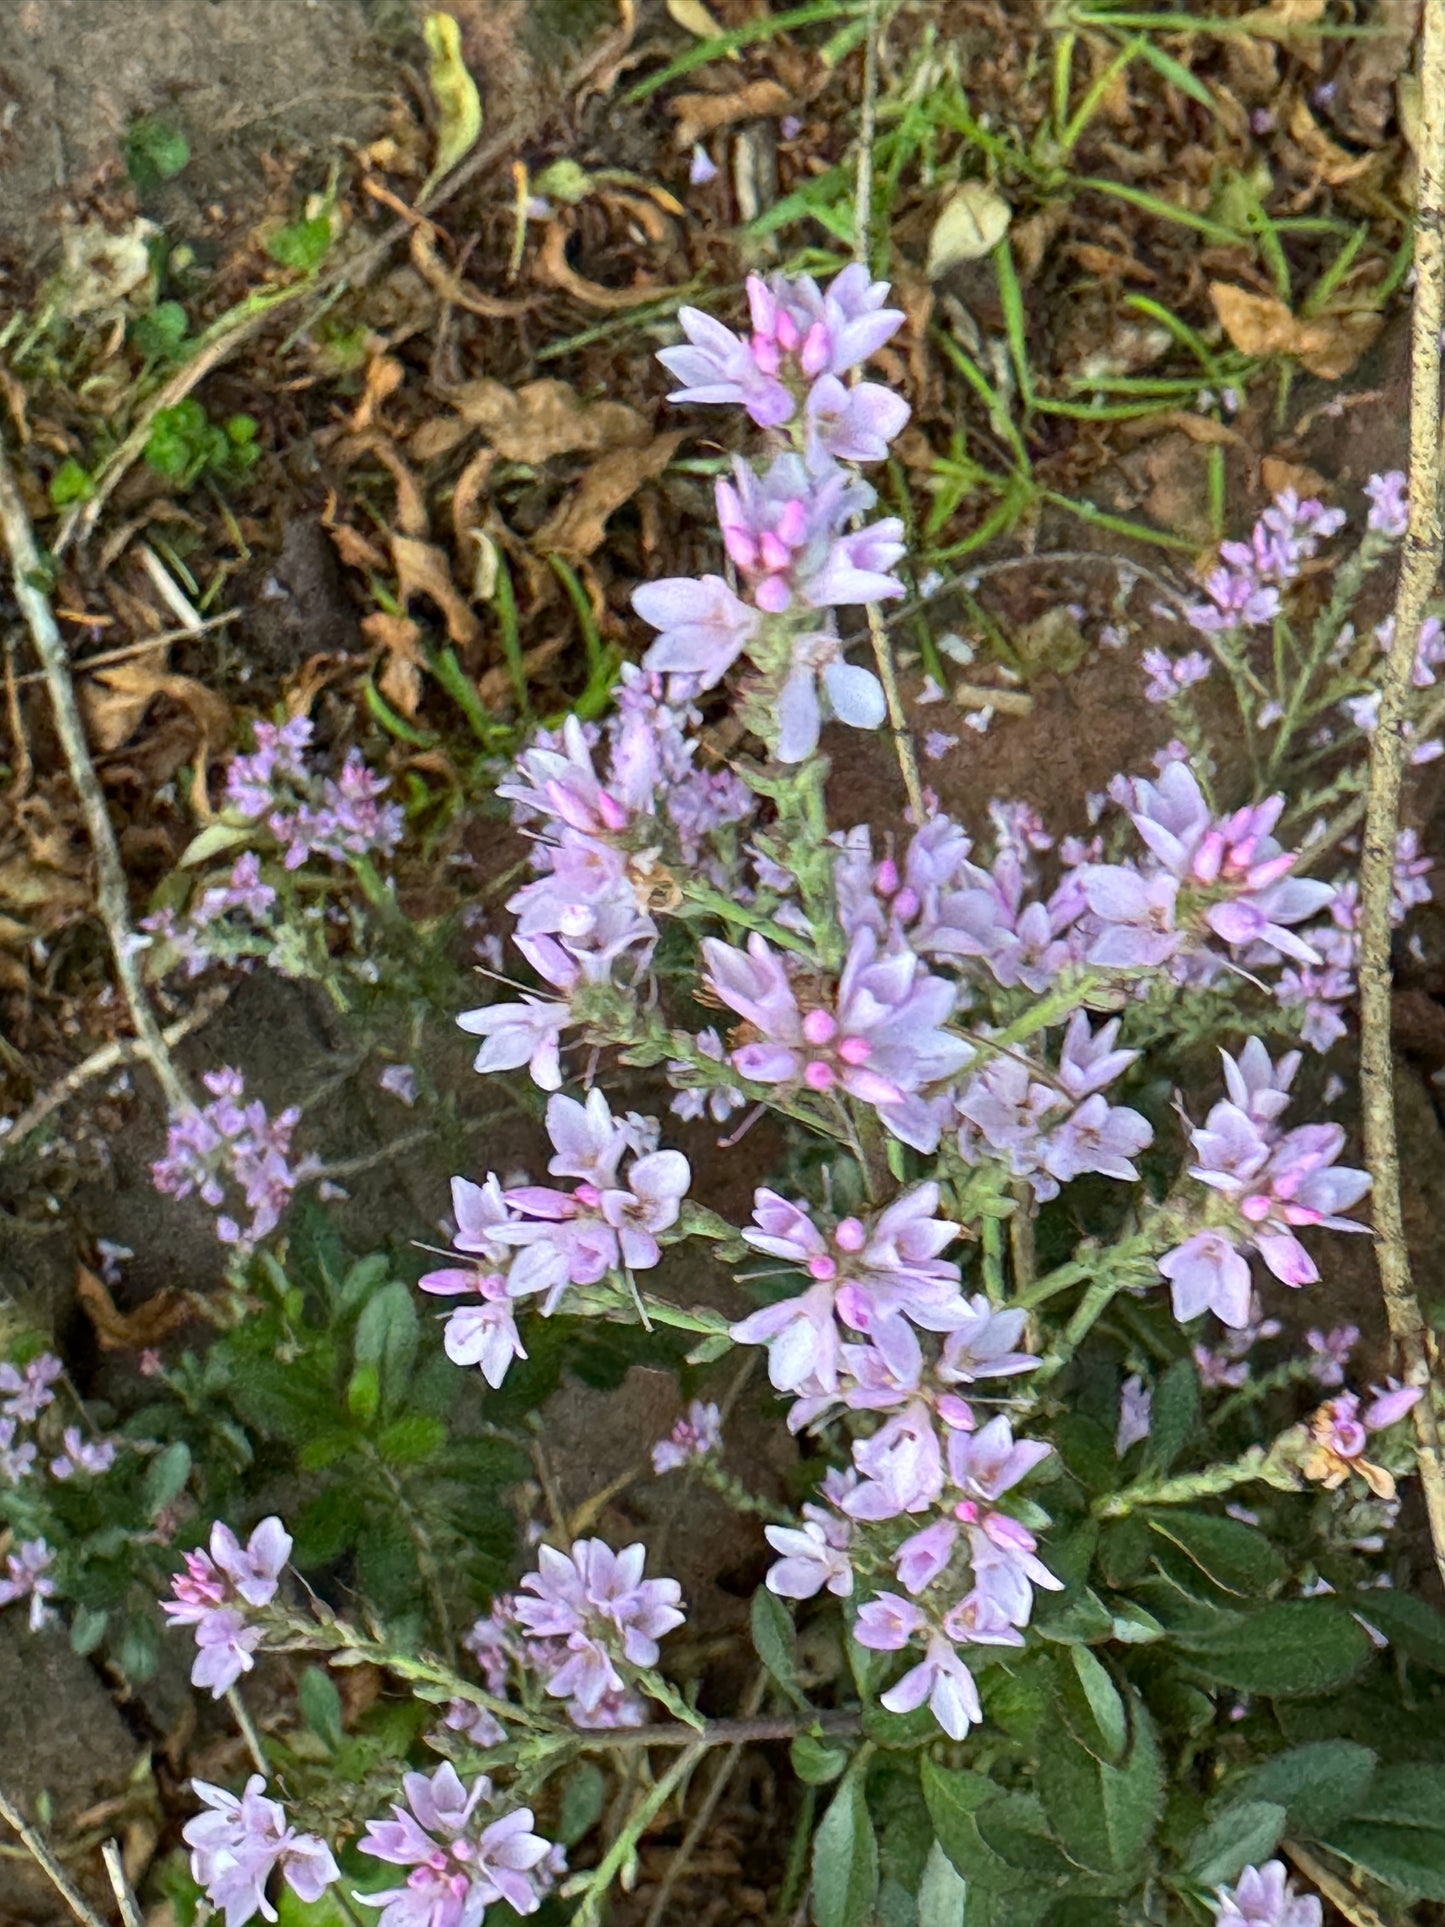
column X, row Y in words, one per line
column 815, row 1555
column 821, row 684
column 1330, row 1353
column 697, row 1435
column 1169, row 676
column 399, row 1081
column 82, row 1456
column 230, row 1143
column 28, row 1388
column 278, row 759
column 240, row 1840
column 1206, row 1273
column 1265, row 1897
column 986, row 1464
column 459, row 1867
column 475, row 1724
column 945, row 1683
column 1135, row 1407
column 886, row 1623
column 1220, row 1368
column 982, row 1345
column 785, row 532
column 27, row 1576
column 597, row 1603
column 1136, row 914
column 483, row 1334
column 704, row 626
column 1388, row 1405
column 515, row 1034
column 16, row 1461
column 225, row 1646
column 703, row 168
column 1389, row 514
column 900, row 1466
column 253, row 1569
column 853, row 424
column 215, row 1593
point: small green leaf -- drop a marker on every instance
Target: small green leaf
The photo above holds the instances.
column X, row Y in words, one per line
column 1317, row 1783
column 154, row 152
column 70, row 483
column 1105, row 1815
column 87, row 1629
column 817, row 1762
column 320, row 1454
column 583, row 1792
column 161, row 332
column 301, row 245
column 1092, row 1708
column 955, row 1799
column 775, row 1640
column 166, row 1477
column 942, row 1892
column 217, row 839
column 387, row 1334
column 1236, row 1557
column 320, row 1705
column 1407, row 1857
column 1412, row 1626
column 411, row 1440
column 845, row 1860
column 367, row 1275
column 363, row 1393
column 1244, row 1835
column 1289, row 1648
column 1174, row 1416
column 458, row 104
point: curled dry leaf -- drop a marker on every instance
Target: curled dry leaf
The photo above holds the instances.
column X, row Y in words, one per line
column 114, row 701
column 423, row 570
column 384, row 375
column 1334, row 166
column 131, row 1331
column 438, row 276
column 556, row 271
column 970, row 224
column 400, row 640
column 1260, row 324
column 577, row 528
column 546, row 418
column 436, row 438
column 702, row 114
column 354, row 549
column 1277, row 475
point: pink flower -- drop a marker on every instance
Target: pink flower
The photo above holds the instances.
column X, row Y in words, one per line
column 458, row 1867
column 239, row 1842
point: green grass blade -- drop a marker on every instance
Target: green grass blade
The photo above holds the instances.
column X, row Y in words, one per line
column 586, row 621
column 1014, row 321
column 768, row 28
column 1180, row 330
column 1178, row 75
column 987, row 394
column 505, row 603
column 463, row 692
column 1119, row 524
column 1164, row 210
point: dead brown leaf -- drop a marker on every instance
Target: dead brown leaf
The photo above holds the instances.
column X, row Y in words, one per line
column 114, row 701
column 354, row 548
column 702, row 114
column 554, row 269
column 163, row 1312
column 1334, row 166
column 436, row 438
column 546, row 418
column 422, row 569
column 400, row 638
column 467, row 497
column 577, row 528
column 1278, row 475
column 384, row 375
column 1109, row 266
column 1261, row 324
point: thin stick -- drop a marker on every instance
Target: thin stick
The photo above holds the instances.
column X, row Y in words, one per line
column 169, row 590
column 1357, row 1911
column 124, row 652
column 111, row 896
column 35, row 1845
column 130, row 1913
column 1419, row 570
column 124, row 1050
column 862, row 220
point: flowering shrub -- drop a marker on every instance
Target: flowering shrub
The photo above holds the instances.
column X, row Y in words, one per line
column 1114, row 1605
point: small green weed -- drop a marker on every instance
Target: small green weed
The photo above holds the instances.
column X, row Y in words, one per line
column 185, row 444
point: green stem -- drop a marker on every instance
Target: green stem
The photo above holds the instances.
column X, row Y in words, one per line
column 1090, row 1309
column 589, row 1910
column 1190, row 1486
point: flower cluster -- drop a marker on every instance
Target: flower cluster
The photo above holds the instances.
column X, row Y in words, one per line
column 1243, row 592
column 229, row 1142
column 218, row 1592
column 462, row 1855
column 535, row 1239
column 25, row 1390
column 584, row 1624
column 240, row 1841
column 697, row 1435
column 27, row 1576
column 1266, row 1897
column 1266, row 1184
column 337, row 817
column 222, row 922
column 792, row 530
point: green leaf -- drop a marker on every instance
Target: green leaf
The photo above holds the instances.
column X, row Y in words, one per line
column 775, row 1639
column 816, row 1762
column 942, row 1892
column 70, row 483
column 217, row 839
column 387, row 1334
column 1290, row 1648
column 1105, row 1815
column 320, row 1705
column 411, row 1440
column 1174, row 1415
column 320, row 1454
column 1410, row 1795
column 954, row 1799
column 367, row 1275
column 166, row 1477
column 161, row 332
column 845, row 1860
column 1244, row 1835
column 583, row 1792
column 1092, row 1708
column 154, row 152
column 1317, row 1783
column 458, row 104
column 301, row 245
column 87, row 1629
column 326, row 1911
column 1236, row 1557
column 1410, row 1858
column 363, row 1394
column 1411, row 1625
column 1016, row 1828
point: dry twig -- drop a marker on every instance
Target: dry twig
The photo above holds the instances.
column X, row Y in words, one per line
column 38, row 1849
column 1343, row 1899
column 111, row 896
column 1419, row 570
column 130, row 1913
